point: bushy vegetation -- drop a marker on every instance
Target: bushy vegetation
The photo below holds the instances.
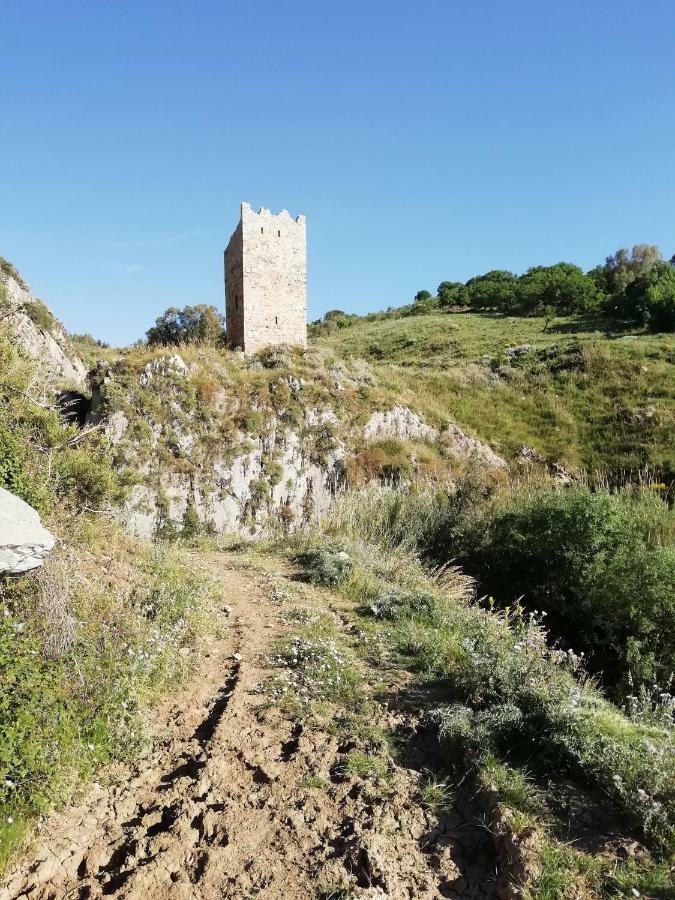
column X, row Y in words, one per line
column 201, row 324
column 636, row 285
column 599, row 565
column 40, row 315
column 95, row 634
column 10, row 271
column 40, row 458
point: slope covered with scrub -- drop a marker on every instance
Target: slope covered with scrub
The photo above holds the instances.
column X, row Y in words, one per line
column 588, row 393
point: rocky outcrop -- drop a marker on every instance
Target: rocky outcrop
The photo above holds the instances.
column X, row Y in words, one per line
column 24, row 542
column 39, row 334
column 232, row 469
column 403, row 424
column 461, row 446
column 236, row 496
column 214, row 443
column 400, row 423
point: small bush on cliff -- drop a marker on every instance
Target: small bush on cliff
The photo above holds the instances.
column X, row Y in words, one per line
column 40, row 315
column 8, row 269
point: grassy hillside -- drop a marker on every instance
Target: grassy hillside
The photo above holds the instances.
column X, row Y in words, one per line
column 587, row 393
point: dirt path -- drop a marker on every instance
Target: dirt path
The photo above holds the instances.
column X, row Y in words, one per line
column 221, row 807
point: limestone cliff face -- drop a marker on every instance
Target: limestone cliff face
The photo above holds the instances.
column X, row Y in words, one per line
column 219, row 442
column 204, row 455
column 39, row 334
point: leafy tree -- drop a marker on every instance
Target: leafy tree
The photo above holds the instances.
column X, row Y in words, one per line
column 562, row 286
column 422, row 296
column 338, row 317
column 494, row 290
column 601, row 279
column 452, row 293
column 650, row 298
column 623, row 266
column 89, row 340
column 201, row 324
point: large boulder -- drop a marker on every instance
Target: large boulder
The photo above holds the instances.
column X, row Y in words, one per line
column 24, row 542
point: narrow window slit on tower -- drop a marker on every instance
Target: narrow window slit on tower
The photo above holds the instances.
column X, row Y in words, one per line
column 261, row 229
column 278, row 234
column 276, row 320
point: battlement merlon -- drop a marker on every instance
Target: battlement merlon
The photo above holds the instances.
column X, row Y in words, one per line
column 248, row 214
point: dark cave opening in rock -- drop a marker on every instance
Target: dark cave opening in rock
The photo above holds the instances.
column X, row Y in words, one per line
column 73, row 407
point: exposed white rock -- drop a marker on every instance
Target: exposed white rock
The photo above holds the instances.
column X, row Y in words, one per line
column 24, row 542
column 314, row 417
column 163, row 365
column 461, row 446
column 116, row 427
column 49, row 347
column 403, row 424
column 223, row 497
column 400, row 423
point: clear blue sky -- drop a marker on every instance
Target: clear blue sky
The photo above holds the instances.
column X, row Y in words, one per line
column 423, row 141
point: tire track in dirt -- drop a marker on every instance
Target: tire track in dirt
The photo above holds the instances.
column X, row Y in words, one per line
column 217, row 809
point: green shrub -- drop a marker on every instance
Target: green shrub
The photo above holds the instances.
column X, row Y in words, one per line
column 399, row 603
column 594, row 563
column 260, row 492
column 86, row 476
column 40, row 315
column 11, row 271
column 200, row 324
column 12, row 465
column 192, row 524
column 274, row 471
column 510, row 692
column 329, row 566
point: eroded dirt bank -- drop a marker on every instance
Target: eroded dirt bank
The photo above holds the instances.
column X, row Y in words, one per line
column 234, row 799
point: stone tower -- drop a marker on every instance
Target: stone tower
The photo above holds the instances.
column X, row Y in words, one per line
column 266, row 280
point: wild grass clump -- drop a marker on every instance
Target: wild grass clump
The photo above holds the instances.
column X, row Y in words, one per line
column 401, row 603
column 328, row 566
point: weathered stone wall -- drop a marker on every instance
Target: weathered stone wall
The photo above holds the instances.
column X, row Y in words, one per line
column 234, row 289
column 266, row 280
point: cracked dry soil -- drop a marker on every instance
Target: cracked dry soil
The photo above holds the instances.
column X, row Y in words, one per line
column 217, row 807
